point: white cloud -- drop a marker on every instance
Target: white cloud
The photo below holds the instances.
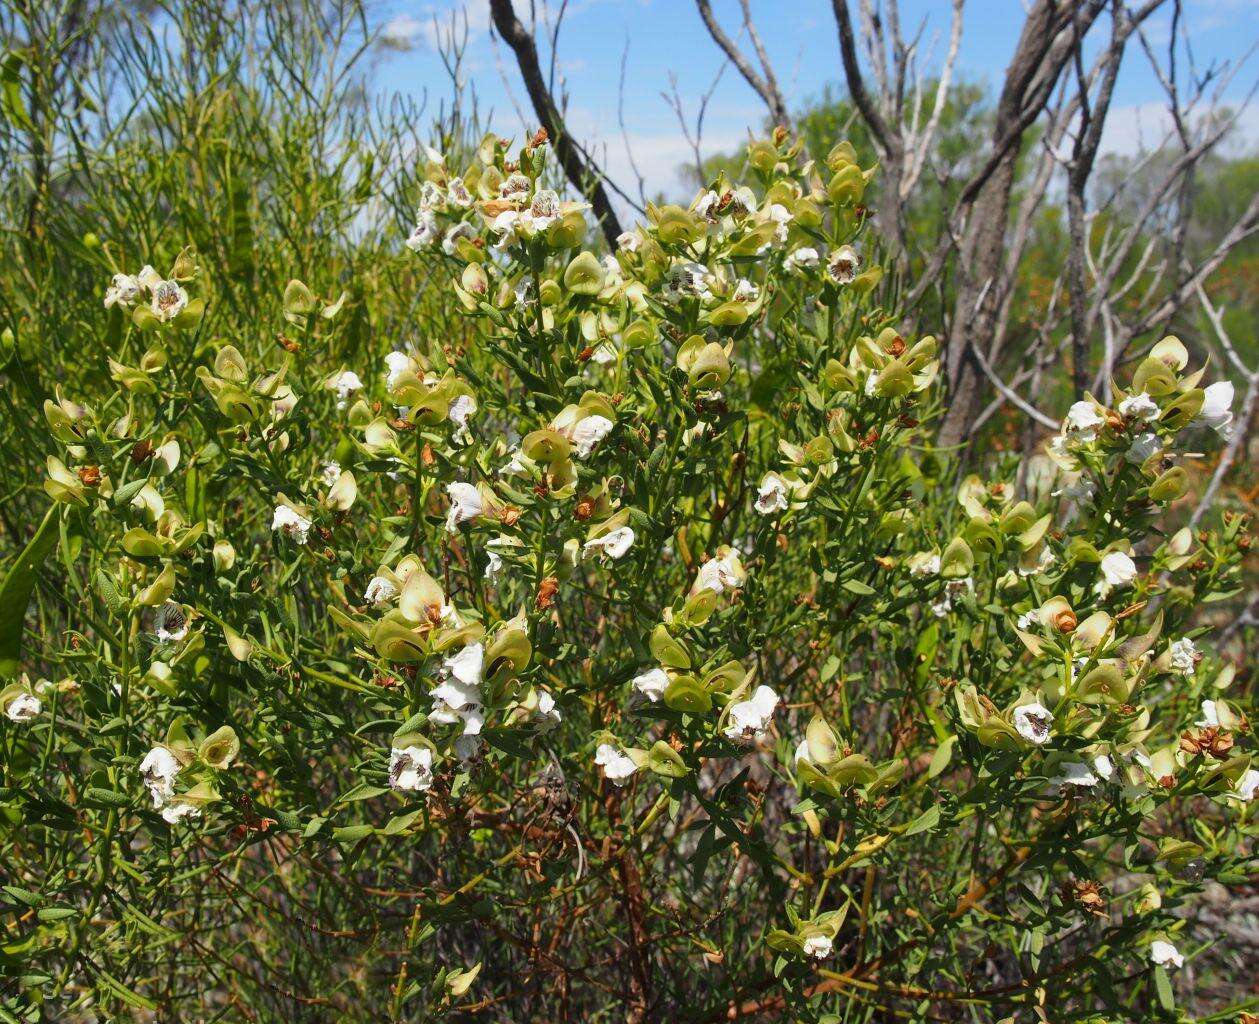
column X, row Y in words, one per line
column 1142, row 127
column 401, row 32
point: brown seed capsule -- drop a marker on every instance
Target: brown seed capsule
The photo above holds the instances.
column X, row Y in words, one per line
column 1065, row 621
column 584, row 510
column 1210, row 740
column 142, row 451
column 89, row 476
column 897, row 348
column 426, row 454
column 585, row 354
column 1088, row 894
column 1114, row 421
column 539, row 139
column 546, row 592
column 287, row 343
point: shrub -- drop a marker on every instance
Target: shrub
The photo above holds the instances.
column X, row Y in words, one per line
column 621, row 648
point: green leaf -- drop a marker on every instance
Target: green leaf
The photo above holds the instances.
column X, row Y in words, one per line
column 15, row 592
column 1163, row 986
column 929, row 819
column 941, row 758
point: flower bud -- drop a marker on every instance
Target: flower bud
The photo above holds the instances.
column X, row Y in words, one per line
column 224, row 555
column 848, row 186
column 584, row 275
column 1171, row 485
column 711, row 367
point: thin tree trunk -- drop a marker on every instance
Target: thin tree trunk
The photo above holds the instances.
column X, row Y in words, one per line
column 578, row 168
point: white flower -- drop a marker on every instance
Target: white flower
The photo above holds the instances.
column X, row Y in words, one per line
column 706, row 205
column 430, row 196
column 804, row 258
column 925, row 563
column 651, row 684
column 1183, row 656
column 1032, row 722
column 1165, row 954
column 329, row 473
column 466, row 666
column 345, row 384
column 283, row 400
column 545, row 209
column 425, row 232
column 505, row 226
column 515, row 186
column 686, row 278
column 617, row 766
column 411, row 768
column 750, row 718
column 1028, row 620
column 1076, row 773
column 1217, row 404
column 604, row 353
column 397, row 363
column 745, row 291
column 1138, row 407
column 818, row 946
column 588, row 432
column 291, row 522
column 1210, row 716
column 1118, row 570
column 518, row 462
column 458, row 697
column 171, row 624
column 469, row 712
column 1043, row 561
column 1082, row 422
column 23, row 707
column 547, row 711
column 158, row 770
column 952, row 588
column 461, row 410
column 380, row 591
column 465, row 503
column 614, row 543
column 843, row 263
column 1142, row 447
column 771, row 495
column 124, row 290
column 1247, row 785
column 179, row 810
column 719, row 575
column 169, row 300
column 780, row 217
column 456, row 231
column 629, row 241
column 457, row 193
column 1104, row 767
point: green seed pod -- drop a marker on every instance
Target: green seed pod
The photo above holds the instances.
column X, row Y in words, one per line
column 1170, row 486
column 710, row 368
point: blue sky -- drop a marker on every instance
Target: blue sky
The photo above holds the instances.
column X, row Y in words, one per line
column 666, row 38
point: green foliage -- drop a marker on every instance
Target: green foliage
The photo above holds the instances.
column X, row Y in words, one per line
column 487, row 627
